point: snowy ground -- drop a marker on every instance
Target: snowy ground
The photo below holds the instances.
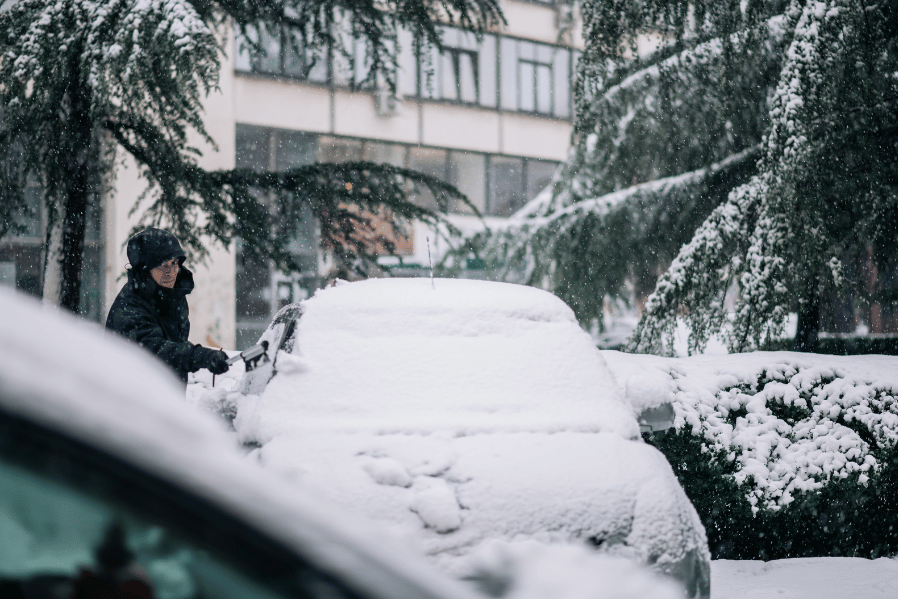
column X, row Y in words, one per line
column 805, row 578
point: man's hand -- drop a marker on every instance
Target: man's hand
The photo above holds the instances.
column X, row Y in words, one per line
column 214, row 361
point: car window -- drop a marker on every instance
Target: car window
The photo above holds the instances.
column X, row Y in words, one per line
column 51, row 535
column 64, row 532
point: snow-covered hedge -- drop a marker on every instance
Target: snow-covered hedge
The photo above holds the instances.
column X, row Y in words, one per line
column 783, row 454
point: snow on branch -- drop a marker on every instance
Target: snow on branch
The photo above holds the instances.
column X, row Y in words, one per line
column 766, row 237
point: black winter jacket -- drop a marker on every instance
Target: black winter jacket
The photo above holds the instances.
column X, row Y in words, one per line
column 157, row 318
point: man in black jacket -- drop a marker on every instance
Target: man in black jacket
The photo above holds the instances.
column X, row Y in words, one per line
column 151, row 309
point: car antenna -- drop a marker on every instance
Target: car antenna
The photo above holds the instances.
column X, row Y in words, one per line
column 430, row 259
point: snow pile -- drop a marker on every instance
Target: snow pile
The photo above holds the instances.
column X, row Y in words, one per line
column 468, row 356
column 790, row 422
column 532, row 570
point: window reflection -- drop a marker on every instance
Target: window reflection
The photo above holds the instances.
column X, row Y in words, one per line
column 506, row 185
column 467, row 171
column 539, row 176
column 430, row 161
column 281, row 52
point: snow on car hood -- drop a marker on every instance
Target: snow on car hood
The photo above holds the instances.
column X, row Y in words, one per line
column 411, row 355
column 450, row 494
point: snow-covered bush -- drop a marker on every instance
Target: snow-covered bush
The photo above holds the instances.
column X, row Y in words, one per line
column 784, row 454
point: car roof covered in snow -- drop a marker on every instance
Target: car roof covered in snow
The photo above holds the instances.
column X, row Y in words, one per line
column 66, row 374
column 416, row 355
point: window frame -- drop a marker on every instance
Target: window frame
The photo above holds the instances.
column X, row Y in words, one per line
column 427, row 78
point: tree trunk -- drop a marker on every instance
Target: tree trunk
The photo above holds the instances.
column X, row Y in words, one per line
column 52, row 286
column 807, row 331
column 79, row 158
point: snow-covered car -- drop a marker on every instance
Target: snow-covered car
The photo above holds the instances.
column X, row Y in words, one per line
column 461, row 412
column 109, row 479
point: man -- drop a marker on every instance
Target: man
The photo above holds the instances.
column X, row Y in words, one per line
column 151, row 309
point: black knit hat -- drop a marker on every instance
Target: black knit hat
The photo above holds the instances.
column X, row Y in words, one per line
column 151, row 247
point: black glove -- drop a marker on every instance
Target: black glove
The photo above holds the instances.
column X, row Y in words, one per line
column 215, row 361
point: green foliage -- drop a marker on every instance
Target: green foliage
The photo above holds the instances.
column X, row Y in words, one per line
column 842, row 519
column 788, row 458
column 825, row 190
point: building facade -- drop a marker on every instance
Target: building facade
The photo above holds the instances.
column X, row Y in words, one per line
column 491, row 116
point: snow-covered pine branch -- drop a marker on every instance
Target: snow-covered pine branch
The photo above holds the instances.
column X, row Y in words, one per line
column 534, row 246
column 783, row 235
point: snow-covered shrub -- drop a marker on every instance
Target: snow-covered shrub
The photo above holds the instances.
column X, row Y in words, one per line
column 784, row 454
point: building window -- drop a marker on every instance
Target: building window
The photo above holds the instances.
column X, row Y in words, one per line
column 282, row 54
column 465, row 71
column 535, row 77
column 430, row 161
column 506, row 185
column 260, row 288
column 22, row 255
column 467, row 171
column 538, row 177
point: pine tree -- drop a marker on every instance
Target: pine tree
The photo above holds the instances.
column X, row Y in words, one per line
column 756, row 147
column 82, row 81
column 823, row 197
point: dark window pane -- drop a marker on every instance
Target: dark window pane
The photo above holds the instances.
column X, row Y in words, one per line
column 384, row 153
column 253, row 148
column 467, row 76
column 467, row 171
column 295, row 61
column 304, row 241
column 543, row 89
column 539, row 175
column 506, row 187
column 294, row 149
column 429, row 161
column 448, row 75
column 269, row 61
column 335, row 149
column 527, row 82
column 253, row 290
